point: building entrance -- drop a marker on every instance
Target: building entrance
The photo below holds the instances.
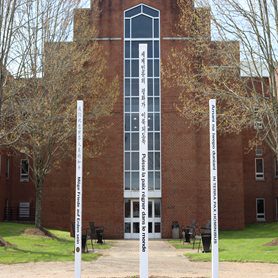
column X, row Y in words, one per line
column 132, row 218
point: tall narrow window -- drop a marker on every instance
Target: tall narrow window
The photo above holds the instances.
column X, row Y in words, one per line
column 260, row 207
column 142, row 24
column 275, row 168
column 259, row 168
column 7, row 168
column 24, row 170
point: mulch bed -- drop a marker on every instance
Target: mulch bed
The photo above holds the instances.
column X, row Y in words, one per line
column 39, row 232
column 274, row 242
column 34, row 232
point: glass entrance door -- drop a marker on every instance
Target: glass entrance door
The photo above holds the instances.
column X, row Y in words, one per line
column 132, row 218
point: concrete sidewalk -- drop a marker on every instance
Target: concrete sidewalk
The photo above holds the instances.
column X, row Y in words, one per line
column 122, row 261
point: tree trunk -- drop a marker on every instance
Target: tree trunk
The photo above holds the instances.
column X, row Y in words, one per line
column 39, row 185
column 4, row 242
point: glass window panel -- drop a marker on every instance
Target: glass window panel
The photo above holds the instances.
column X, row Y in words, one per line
column 260, row 206
column 150, row 49
column 127, row 68
column 135, row 208
column 157, row 227
column 127, row 161
column 127, row 104
column 127, row 28
column 150, row 141
column 135, row 49
column 156, row 49
column 150, row 104
column 135, row 161
column 136, row 228
column 133, row 11
column 259, row 165
column 150, row 87
column 135, row 68
column 156, row 87
column 157, row 161
column 127, row 209
column 127, row 181
column 135, row 181
column 127, row 228
column 24, row 167
column 156, row 104
column 135, row 141
column 157, row 208
column 141, row 27
column 150, row 121
column 151, row 183
column 127, row 87
column 150, row 11
column 127, row 141
column 150, row 68
column 157, row 122
column 134, row 121
column 150, row 209
column 135, row 104
column 156, row 28
column 157, row 181
column 156, row 68
column 150, row 227
column 127, row 122
column 150, row 161
column 157, row 141
column 135, row 87
column 127, row 49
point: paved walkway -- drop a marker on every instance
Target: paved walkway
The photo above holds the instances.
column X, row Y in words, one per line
column 122, row 261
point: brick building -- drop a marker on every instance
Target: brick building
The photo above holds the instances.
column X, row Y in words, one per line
column 179, row 186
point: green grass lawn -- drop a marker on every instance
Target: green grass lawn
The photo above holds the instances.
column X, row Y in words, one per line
column 247, row 245
column 27, row 248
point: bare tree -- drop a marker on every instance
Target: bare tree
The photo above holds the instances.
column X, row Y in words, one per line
column 233, row 58
column 10, row 23
column 56, row 73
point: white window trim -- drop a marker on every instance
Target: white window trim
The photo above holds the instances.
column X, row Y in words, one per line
column 261, row 214
column 259, row 176
column 24, row 177
column 259, row 152
column 258, row 123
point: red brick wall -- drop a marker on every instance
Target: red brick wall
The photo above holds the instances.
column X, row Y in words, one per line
column 185, row 155
column 13, row 191
column 266, row 188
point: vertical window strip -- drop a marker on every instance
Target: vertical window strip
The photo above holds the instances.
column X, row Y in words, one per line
column 156, row 128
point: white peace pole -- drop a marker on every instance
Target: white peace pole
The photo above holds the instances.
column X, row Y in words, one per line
column 143, row 158
column 78, row 196
column 213, row 187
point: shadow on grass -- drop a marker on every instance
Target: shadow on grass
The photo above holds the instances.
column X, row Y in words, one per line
column 258, row 230
column 13, row 229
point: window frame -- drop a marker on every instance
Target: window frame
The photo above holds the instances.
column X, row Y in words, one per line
column 259, row 176
column 260, row 219
column 23, row 176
